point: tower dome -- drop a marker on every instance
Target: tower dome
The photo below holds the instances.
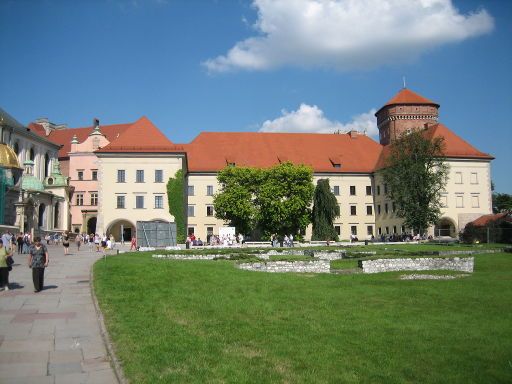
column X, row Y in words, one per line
column 406, row 111
column 30, row 182
column 8, row 158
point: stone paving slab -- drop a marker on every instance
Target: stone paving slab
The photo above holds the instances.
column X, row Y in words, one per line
column 53, row 336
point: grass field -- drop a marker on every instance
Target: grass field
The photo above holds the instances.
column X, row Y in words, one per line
column 207, row 322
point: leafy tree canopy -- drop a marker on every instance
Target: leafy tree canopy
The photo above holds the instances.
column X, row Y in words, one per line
column 275, row 200
column 284, row 199
column 325, row 210
column 501, row 202
column 416, row 174
column 176, row 199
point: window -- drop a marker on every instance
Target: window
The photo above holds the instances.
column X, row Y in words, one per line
column 336, row 190
column 209, row 190
column 474, row 178
column 393, row 207
column 209, row 210
column 80, row 175
column 387, row 230
column 458, row 177
column 190, row 190
column 94, row 174
column 369, row 230
column 369, row 210
column 378, row 189
column 209, row 233
column 380, row 231
column 159, row 202
column 459, row 201
column 352, row 190
column 94, row 198
column 368, row 190
column 121, row 176
column 79, row 199
column 378, row 209
column 159, row 176
column 337, row 228
column 120, row 201
column 385, row 188
column 475, row 201
column 353, row 230
column 353, row 210
column 139, row 176
column 403, row 228
column 190, row 231
column 190, row 211
column 386, row 208
column 394, row 229
column 444, row 201
column 139, row 202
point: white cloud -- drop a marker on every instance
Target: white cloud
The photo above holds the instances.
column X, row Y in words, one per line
column 311, row 119
column 348, row 34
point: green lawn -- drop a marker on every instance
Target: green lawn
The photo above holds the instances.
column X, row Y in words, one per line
column 205, row 321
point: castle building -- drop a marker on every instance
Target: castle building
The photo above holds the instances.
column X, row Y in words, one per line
column 119, row 172
column 34, row 195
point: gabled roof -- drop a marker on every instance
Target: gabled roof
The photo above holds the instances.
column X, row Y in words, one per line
column 484, row 220
column 141, row 136
column 213, row 151
column 454, row 146
column 64, row 136
column 407, row 97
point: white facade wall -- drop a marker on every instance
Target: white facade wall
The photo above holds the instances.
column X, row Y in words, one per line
column 110, row 188
column 467, row 196
column 200, row 222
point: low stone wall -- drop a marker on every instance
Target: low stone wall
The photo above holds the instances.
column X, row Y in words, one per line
column 319, row 266
column 188, row 257
column 322, row 255
column 419, row 264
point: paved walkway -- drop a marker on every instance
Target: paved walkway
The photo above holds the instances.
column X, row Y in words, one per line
column 52, row 336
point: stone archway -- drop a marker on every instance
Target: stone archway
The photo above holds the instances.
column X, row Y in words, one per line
column 445, row 227
column 122, row 229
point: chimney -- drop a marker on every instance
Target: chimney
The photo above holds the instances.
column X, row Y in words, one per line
column 353, row 134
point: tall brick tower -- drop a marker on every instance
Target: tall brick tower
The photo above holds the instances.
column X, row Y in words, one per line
column 405, row 112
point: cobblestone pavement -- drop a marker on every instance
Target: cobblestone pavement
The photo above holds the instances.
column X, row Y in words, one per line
column 52, row 336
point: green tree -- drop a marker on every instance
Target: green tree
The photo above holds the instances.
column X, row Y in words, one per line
column 284, row 199
column 235, row 201
column 176, row 199
column 416, row 174
column 325, row 210
column 501, row 202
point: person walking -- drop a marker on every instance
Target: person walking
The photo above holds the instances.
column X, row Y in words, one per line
column 4, row 267
column 65, row 243
column 38, row 260
column 78, row 241
column 19, row 241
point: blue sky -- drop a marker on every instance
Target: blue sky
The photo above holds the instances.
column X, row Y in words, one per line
column 193, row 66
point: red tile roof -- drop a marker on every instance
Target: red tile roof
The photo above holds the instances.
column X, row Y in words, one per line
column 213, row 151
column 64, row 136
column 484, row 220
column 455, row 147
column 141, row 136
column 406, row 96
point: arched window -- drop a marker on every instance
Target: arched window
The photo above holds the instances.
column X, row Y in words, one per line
column 32, row 154
column 46, row 165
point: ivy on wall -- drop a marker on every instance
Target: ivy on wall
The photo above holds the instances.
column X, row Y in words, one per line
column 176, row 199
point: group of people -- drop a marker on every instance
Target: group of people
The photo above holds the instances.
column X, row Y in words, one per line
column 287, row 240
column 227, row 240
column 38, row 260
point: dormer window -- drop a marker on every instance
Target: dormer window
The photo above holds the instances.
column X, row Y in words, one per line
column 335, row 161
column 230, row 161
